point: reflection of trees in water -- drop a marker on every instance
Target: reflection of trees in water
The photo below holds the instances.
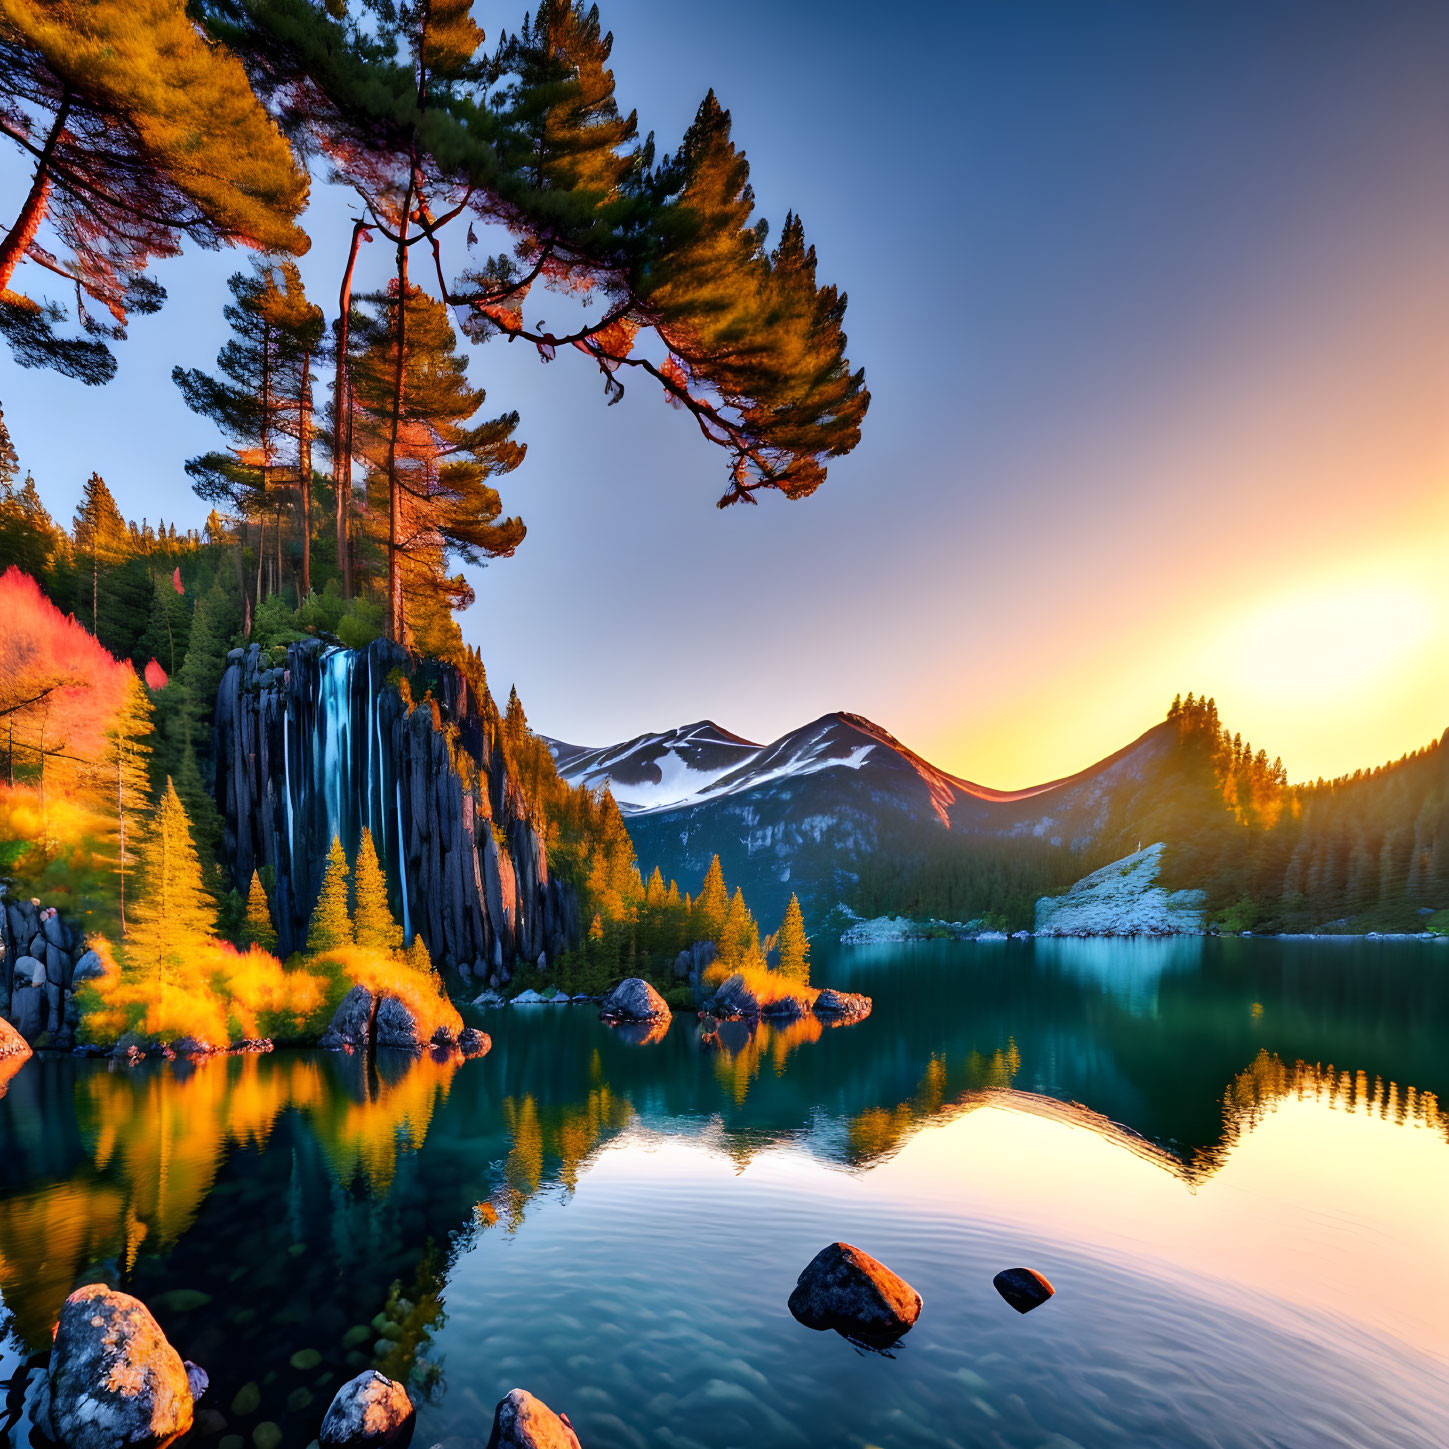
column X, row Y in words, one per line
column 879, row 1131
column 155, row 1139
column 1267, row 1081
column 741, row 1048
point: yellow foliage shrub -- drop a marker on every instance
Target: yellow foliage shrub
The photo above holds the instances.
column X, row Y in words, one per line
column 225, row 995
column 767, row 985
column 420, row 991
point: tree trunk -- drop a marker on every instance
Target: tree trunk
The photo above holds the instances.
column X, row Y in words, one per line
column 396, row 625
column 32, row 213
column 342, row 417
column 304, row 471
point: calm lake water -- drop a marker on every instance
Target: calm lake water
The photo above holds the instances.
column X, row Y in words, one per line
column 1228, row 1156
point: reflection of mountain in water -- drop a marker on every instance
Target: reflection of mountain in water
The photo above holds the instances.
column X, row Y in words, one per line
column 316, row 1202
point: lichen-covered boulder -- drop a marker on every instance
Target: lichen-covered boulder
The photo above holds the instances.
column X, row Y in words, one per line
column 369, row 1412
column 837, row 1006
column 474, row 1043
column 351, row 1026
column 633, row 1000
column 1023, row 1288
column 849, row 1291
column 114, row 1379
column 396, row 1026
column 733, row 999
column 522, row 1421
column 12, row 1044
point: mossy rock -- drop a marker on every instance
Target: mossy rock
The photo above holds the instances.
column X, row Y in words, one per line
column 305, row 1360
column 357, row 1335
column 248, row 1399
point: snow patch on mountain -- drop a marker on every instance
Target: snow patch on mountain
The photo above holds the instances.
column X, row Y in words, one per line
column 1122, row 899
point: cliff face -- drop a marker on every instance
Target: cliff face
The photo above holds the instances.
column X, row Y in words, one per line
column 325, row 745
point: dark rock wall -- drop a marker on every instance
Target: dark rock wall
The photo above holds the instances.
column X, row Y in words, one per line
column 325, row 745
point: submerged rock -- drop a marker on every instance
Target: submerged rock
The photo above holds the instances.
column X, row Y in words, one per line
column 12, row 1044
column 474, row 1043
column 351, row 1025
column 369, row 1412
column 114, row 1378
column 522, row 1421
column 849, row 1291
column 1023, row 1288
column 634, row 999
column 835, row 1005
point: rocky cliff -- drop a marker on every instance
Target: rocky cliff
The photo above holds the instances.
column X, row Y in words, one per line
column 1123, row 899
column 326, row 743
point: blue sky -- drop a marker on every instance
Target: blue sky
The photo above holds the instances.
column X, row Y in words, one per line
column 1153, row 302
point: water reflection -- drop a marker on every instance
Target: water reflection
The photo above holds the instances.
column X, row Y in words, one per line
column 307, row 1209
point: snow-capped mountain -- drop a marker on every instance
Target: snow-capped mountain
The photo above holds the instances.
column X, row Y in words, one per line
column 800, row 813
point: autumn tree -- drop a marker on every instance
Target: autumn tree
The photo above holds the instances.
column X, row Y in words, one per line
column 172, row 915
column 793, row 945
column 257, row 927
column 429, row 463
column 373, row 922
column 331, row 925
column 143, row 134
column 711, row 905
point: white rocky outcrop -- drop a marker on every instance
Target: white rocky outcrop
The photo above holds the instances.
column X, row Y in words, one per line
column 1123, row 899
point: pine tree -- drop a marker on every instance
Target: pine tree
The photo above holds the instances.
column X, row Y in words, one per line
column 418, row 956
column 373, row 922
column 428, row 463
column 257, row 928
column 794, row 945
column 101, row 540
column 330, row 925
column 143, row 134
column 9, row 460
column 710, row 906
column 740, row 935
column 172, row 915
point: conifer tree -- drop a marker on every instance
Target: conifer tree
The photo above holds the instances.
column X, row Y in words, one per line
column 142, row 134
column 100, row 537
column 330, row 925
column 172, row 915
column 9, row 460
column 418, row 955
column 710, row 906
column 794, row 945
column 429, row 465
column 257, row 928
column 372, row 919
column 740, row 934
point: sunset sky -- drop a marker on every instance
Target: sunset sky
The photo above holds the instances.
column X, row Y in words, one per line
column 1153, row 302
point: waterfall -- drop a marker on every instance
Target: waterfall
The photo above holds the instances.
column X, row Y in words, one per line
column 402, row 875
column 333, row 753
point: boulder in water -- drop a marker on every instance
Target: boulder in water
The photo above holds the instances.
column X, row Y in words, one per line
column 522, row 1421
column 474, row 1043
column 197, row 1377
column 1023, row 1288
column 849, row 1291
column 369, row 1412
column 114, row 1378
column 733, row 999
column 351, row 1026
column 12, row 1044
column 634, row 999
column 839, row 1006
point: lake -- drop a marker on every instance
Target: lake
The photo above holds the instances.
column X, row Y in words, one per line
column 1228, row 1156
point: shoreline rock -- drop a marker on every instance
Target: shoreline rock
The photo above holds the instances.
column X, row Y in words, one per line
column 114, row 1377
column 523, row 1421
column 368, row 1412
column 633, row 999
